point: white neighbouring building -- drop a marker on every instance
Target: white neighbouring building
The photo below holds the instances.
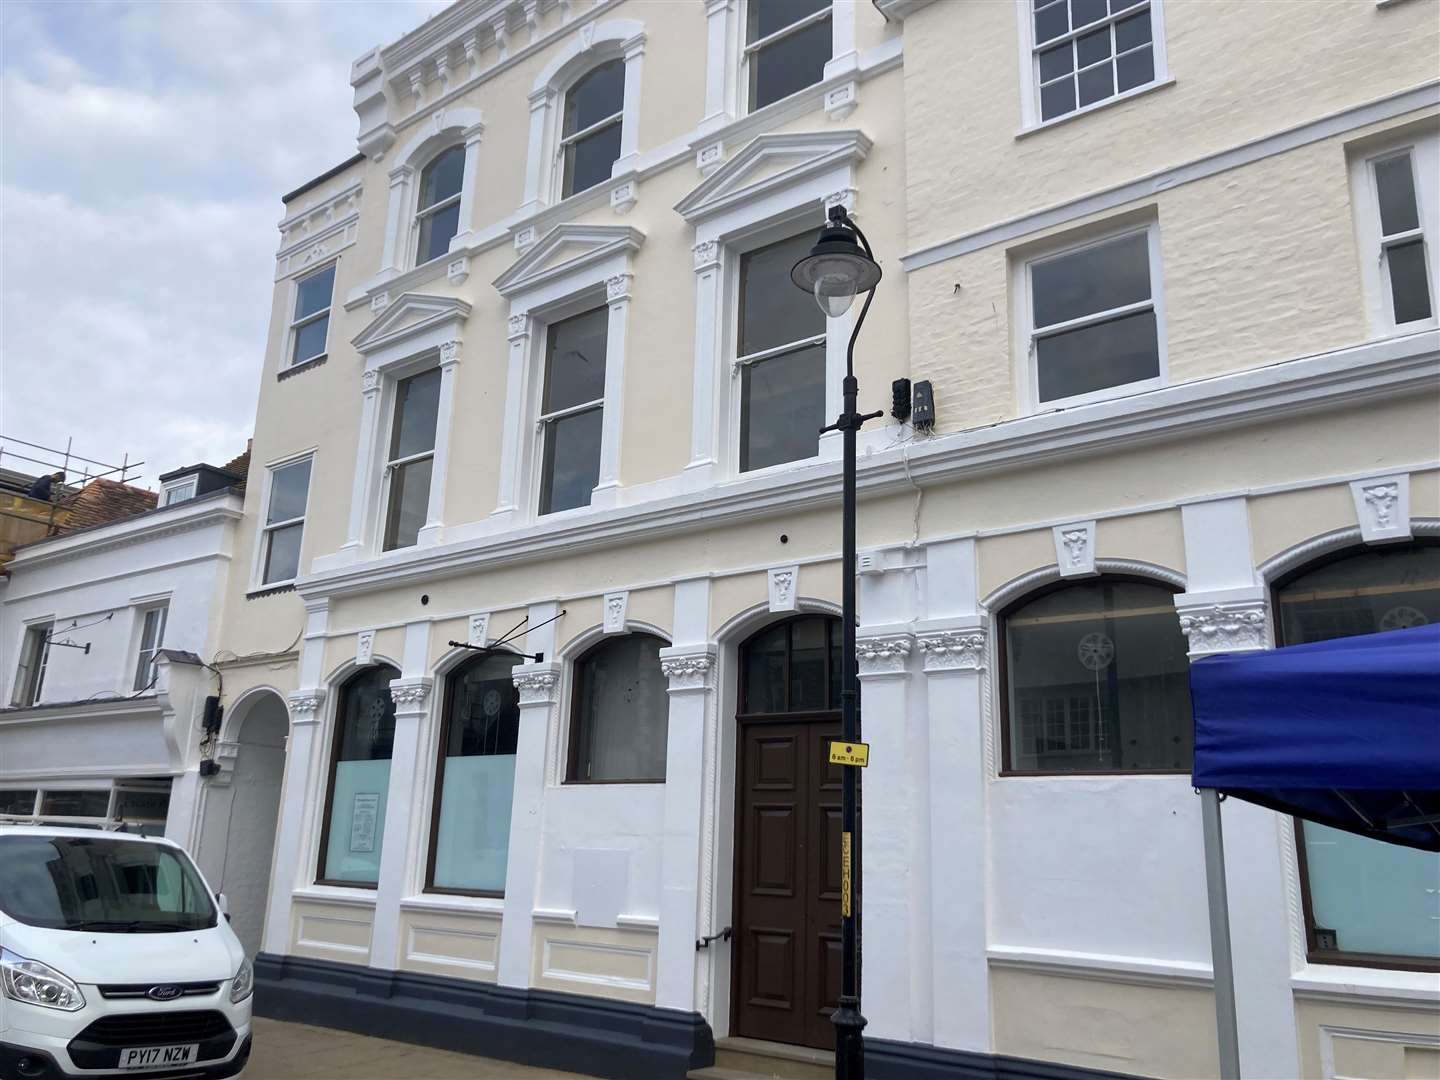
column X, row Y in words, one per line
column 535, row 364
column 108, row 631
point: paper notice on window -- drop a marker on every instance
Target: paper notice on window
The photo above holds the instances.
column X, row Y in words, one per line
column 363, row 814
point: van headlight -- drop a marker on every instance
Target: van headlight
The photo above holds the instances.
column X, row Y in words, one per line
column 35, row 983
column 243, row 983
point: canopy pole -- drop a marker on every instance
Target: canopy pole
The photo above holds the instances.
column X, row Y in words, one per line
column 1220, row 952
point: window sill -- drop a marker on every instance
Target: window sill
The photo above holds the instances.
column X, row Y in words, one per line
column 1335, row 980
column 1110, row 393
column 304, row 365
column 454, row 905
column 335, row 894
column 1128, row 95
column 271, row 590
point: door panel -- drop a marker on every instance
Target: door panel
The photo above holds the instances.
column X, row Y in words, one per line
column 787, row 957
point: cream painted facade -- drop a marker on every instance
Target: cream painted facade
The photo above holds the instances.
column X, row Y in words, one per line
column 1051, row 918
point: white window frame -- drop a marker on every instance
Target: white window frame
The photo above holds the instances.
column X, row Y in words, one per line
column 144, row 674
column 749, row 48
column 1027, row 360
column 263, row 531
column 109, row 821
column 541, row 292
column 543, row 420
column 390, row 465
column 1030, row 62
column 1424, row 149
column 593, row 45
column 297, row 324
column 420, row 213
column 462, row 126
column 566, row 140
column 790, row 226
column 178, row 491
column 34, row 667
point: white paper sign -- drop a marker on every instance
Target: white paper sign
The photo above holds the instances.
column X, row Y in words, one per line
column 363, row 813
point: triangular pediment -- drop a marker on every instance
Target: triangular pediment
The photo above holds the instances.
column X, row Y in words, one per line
column 769, row 162
column 407, row 315
column 565, row 249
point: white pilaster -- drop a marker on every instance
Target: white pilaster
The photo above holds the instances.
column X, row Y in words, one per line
column 516, row 373
column 721, row 17
column 894, row 807
column 689, row 665
column 370, row 383
column 844, row 56
column 469, row 187
column 630, row 118
column 434, row 528
column 396, row 223
column 704, row 421
column 1225, row 610
column 537, row 170
column 954, row 651
column 539, row 688
column 302, row 764
column 306, row 716
column 617, row 294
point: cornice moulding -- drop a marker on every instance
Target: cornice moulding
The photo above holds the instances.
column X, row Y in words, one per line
column 1346, row 377
column 61, row 711
column 152, row 525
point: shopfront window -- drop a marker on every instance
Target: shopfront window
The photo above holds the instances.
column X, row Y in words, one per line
column 359, row 779
column 1366, row 902
column 1097, row 679
column 622, row 712
column 475, row 779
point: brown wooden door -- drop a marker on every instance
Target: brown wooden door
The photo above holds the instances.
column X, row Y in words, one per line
column 787, row 920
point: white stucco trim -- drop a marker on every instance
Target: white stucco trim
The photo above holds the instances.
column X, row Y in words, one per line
column 594, row 44
column 1374, row 370
column 575, row 268
column 1325, row 127
column 416, row 332
column 741, row 205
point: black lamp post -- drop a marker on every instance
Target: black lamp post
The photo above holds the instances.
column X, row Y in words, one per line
column 834, row 272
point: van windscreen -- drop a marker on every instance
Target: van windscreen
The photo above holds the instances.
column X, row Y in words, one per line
column 101, row 884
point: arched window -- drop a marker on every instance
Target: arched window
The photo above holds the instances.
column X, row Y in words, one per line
column 1096, row 680
column 359, row 779
column 621, row 712
column 437, row 217
column 590, row 142
column 475, row 778
column 792, row 667
column 1366, row 902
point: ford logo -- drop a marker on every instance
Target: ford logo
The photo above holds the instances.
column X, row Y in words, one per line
column 163, row 993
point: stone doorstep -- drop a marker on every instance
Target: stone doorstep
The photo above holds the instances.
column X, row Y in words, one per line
column 754, row 1059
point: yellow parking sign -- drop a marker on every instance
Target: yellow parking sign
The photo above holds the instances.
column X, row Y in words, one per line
column 850, row 753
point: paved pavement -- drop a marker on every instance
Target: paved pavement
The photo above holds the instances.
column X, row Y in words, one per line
column 299, row 1052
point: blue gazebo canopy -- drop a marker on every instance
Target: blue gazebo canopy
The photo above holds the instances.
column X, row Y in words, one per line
column 1344, row 732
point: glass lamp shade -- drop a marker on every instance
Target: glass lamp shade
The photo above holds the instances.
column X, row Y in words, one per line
column 835, row 271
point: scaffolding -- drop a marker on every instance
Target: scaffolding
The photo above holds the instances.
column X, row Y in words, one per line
column 67, row 461
column 24, row 519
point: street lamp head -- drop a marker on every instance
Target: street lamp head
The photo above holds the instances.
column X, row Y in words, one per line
column 837, row 268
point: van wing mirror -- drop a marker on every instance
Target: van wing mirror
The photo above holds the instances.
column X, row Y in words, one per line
column 223, row 904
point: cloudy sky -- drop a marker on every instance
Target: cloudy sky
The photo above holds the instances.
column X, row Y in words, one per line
column 144, row 148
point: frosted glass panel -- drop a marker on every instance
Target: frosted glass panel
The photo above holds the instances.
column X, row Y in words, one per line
column 1376, row 897
column 357, row 820
column 474, row 836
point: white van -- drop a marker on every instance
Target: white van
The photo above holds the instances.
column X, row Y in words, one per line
column 115, row 960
